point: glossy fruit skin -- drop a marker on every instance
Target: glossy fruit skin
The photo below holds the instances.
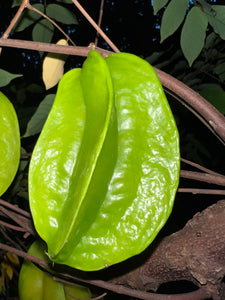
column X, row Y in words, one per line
column 105, row 170
column 9, row 143
column 34, row 284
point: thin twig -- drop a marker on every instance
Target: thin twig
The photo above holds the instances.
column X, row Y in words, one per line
column 99, row 20
column 197, row 166
column 29, row 6
column 211, row 116
column 99, row 297
column 201, row 191
column 7, row 237
column 25, row 255
column 72, row 297
column 204, row 177
column 23, row 5
column 53, row 48
column 119, row 289
column 16, row 228
column 20, row 220
column 15, row 208
column 92, row 22
column 14, row 20
column 26, row 154
column 200, row 294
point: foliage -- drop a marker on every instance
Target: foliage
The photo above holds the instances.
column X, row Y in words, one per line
column 195, row 25
column 37, row 121
column 6, row 77
column 207, row 73
column 8, row 267
column 54, row 11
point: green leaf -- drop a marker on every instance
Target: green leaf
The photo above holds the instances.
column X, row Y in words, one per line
column 23, row 162
column 206, row 7
column 193, row 34
column 38, row 119
column 43, row 31
column 210, row 40
column 179, row 66
column 154, row 57
column 217, row 19
column 214, row 94
column 61, row 14
column 34, row 88
column 173, row 17
column 16, row 3
column 9, row 143
column 29, row 17
column 65, row 1
column 222, row 77
column 6, row 77
column 158, row 4
column 220, row 68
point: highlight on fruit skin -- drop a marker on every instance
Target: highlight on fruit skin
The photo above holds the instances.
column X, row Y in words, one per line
column 9, row 143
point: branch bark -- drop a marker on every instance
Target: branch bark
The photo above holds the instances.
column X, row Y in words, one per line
column 213, row 118
column 92, row 22
column 210, row 178
column 209, row 113
column 195, row 253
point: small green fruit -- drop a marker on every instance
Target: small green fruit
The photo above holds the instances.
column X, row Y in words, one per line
column 34, row 284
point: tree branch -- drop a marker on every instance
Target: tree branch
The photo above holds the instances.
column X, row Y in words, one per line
column 211, row 115
column 214, row 119
column 92, row 22
column 53, row 48
column 201, row 191
column 23, row 5
column 24, row 222
column 15, row 208
column 14, row 20
column 197, row 166
column 140, row 293
column 197, row 295
column 13, row 227
column 210, row 178
column 99, row 20
column 195, row 253
column 29, row 6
